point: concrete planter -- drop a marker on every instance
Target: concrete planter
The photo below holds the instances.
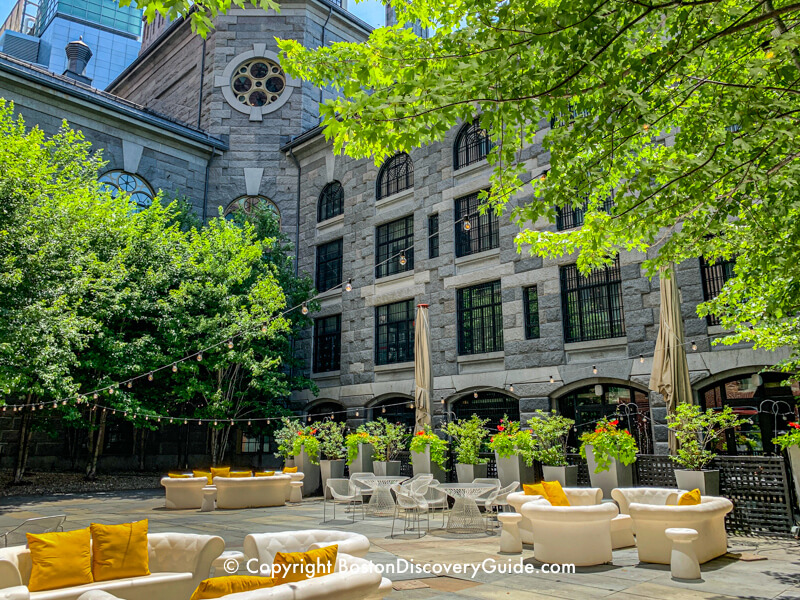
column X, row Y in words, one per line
column 363, row 461
column 794, row 462
column 330, row 469
column 469, row 473
column 513, row 469
column 289, row 462
column 382, row 468
column 310, row 471
column 618, row 475
column 421, row 463
column 705, row 481
column 566, row 476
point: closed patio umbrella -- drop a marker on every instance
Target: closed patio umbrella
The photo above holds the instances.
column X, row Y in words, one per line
column 670, row 375
column 423, row 368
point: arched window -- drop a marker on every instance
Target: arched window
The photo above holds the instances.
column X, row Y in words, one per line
column 136, row 187
column 472, row 145
column 331, row 202
column 396, row 175
column 488, row 405
column 396, row 410
column 250, row 204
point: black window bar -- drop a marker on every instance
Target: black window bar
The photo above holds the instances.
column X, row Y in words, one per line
column 480, row 318
column 568, row 118
column 394, row 332
column 530, row 301
column 568, row 217
column 331, row 202
column 396, row 410
column 433, row 236
column 329, row 265
column 488, row 405
column 396, row 175
column 484, row 229
column 394, row 247
column 327, row 343
column 472, row 145
column 592, row 305
column 714, row 277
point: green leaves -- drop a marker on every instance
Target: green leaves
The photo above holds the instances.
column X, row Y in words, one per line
column 468, row 435
column 700, row 433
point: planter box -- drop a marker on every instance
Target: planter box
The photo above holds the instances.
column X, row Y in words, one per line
column 513, row 469
column 363, row 461
column 566, row 476
column 705, row 481
column 383, row 468
column 469, row 473
column 794, row 462
column 617, row 476
column 330, row 469
column 421, row 463
column 310, row 471
column 289, row 462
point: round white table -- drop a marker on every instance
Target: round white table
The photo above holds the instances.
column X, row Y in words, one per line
column 465, row 516
column 381, row 503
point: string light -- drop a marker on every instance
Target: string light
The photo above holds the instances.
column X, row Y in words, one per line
column 594, row 369
column 304, row 309
column 150, row 376
column 383, row 409
column 356, row 413
column 402, row 260
column 199, row 357
column 511, row 388
column 641, row 358
column 130, row 384
column 467, row 224
column 110, row 391
column 174, row 367
column 475, row 395
column 230, row 344
column 552, row 380
column 249, row 423
column 264, row 328
column 348, row 287
column 694, row 345
column 95, row 395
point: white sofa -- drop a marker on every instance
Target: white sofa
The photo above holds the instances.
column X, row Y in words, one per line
column 251, row 492
column 707, row 518
column 644, row 495
column 353, row 546
column 184, row 492
column 178, row 563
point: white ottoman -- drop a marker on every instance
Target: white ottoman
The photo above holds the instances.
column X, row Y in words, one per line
column 683, row 560
column 296, row 491
column 510, row 540
column 209, row 498
column 622, row 532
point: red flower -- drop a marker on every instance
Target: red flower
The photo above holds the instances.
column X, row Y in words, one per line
column 795, row 425
column 501, row 420
column 420, row 432
column 491, row 439
column 599, row 430
column 614, row 422
column 313, row 431
column 500, row 428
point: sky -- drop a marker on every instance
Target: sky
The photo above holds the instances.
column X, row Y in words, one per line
column 370, row 11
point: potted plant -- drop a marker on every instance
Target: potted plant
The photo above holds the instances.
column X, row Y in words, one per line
column 468, row 435
column 610, row 453
column 284, row 437
column 389, row 442
column 698, row 434
column 513, row 453
column 331, row 448
column 790, row 442
column 549, row 433
column 360, row 447
column 428, row 453
column 306, row 458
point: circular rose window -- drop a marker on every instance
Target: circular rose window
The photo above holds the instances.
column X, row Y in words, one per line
column 258, row 82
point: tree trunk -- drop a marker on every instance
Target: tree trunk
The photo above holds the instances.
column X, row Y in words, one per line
column 91, row 468
column 214, row 447
column 24, row 442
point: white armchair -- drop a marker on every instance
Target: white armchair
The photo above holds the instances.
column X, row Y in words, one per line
column 183, row 493
column 576, row 497
column 644, row 495
column 251, row 492
column 263, row 546
column 707, row 518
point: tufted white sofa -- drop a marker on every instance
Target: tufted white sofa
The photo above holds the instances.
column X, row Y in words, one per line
column 707, row 518
column 251, row 492
column 178, row 563
column 185, row 492
column 644, row 495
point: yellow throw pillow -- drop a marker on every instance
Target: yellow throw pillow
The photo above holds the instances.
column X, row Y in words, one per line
column 689, row 498
column 178, row 475
column 220, row 472
column 206, row 474
column 288, row 567
column 60, row 559
column 217, row 587
column 534, row 489
column 119, row 551
column 265, row 473
column 241, row 474
column 290, row 469
column 555, row 493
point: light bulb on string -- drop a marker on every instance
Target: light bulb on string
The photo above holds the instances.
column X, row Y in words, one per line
column 383, row 410
column 410, row 405
column 511, row 388
column 200, row 357
column 402, row 260
column 150, row 376
column 348, row 287
column 356, row 413
column 170, row 420
column 110, row 391
column 64, row 403
column 231, row 422
column 264, row 328
column 249, row 423
column 641, row 358
column 442, row 400
column 475, row 395
column 304, row 309
column 215, row 423
column 130, row 384
column 694, row 345
column 594, row 369
column 186, row 421
column 267, row 421
column 467, row 224
column 125, row 414
column 552, row 380
column 230, row 344
column 174, row 367
column 159, row 419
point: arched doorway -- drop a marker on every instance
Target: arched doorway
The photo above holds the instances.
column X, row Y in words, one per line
column 758, row 397
column 326, row 409
column 490, row 404
column 588, row 404
column 396, row 410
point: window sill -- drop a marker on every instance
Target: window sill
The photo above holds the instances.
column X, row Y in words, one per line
column 395, row 198
column 403, row 366
column 327, row 375
column 395, row 278
column 718, row 330
column 485, row 357
column 332, row 223
column 477, row 257
column 594, row 344
column 464, row 172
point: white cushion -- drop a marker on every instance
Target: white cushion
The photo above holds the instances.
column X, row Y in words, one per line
column 263, row 546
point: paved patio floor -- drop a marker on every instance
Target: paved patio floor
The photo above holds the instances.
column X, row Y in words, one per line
column 776, row 577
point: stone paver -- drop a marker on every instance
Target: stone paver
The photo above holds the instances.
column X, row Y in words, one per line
column 778, row 577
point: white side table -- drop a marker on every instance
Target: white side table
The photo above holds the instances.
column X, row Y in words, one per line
column 683, row 560
column 209, row 499
column 510, row 539
column 229, row 562
column 296, row 492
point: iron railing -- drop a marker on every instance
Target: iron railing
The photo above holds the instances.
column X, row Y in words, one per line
column 569, row 217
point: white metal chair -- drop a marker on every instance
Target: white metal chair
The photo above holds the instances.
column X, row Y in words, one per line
column 343, row 491
column 16, row 535
column 361, row 481
column 418, row 484
column 499, row 500
column 436, row 498
column 412, row 506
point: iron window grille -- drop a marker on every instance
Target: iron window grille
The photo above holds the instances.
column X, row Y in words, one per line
column 394, row 331
column 329, row 265
column 433, row 236
column 531, row 304
column 592, row 304
column 472, row 145
column 327, row 343
column 396, row 175
column 394, row 247
column 396, row 410
column 331, row 202
column 714, row 277
column 568, row 118
column 480, row 318
column 484, row 229
column 488, row 405
column 569, row 217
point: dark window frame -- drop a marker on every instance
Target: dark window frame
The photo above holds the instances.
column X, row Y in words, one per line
column 329, row 268
column 395, row 176
column 390, row 247
column 327, row 344
column 592, row 306
column 480, row 318
column 433, row 236
column 472, row 145
column 484, row 232
column 715, row 276
column 531, row 313
column 394, row 333
column 570, row 217
column 330, row 203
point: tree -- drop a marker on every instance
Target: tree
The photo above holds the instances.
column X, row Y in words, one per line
column 602, row 85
